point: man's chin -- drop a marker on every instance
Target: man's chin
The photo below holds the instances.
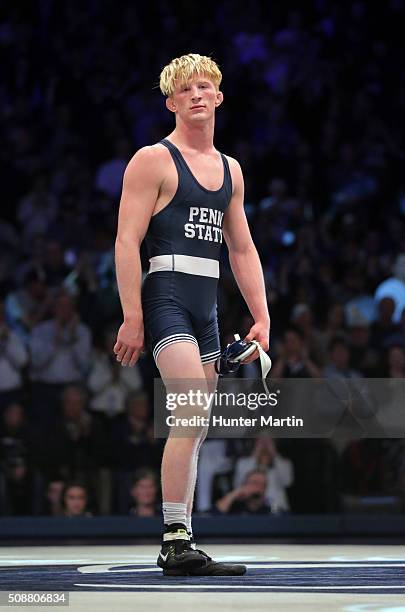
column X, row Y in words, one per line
column 200, row 111
column 200, row 117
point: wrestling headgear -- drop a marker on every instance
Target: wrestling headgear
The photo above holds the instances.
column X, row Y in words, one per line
column 236, row 352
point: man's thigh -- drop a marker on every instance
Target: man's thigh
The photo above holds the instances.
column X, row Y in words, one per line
column 184, row 377
column 181, row 360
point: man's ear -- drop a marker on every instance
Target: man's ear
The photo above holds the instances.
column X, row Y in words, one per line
column 219, row 98
column 170, row 104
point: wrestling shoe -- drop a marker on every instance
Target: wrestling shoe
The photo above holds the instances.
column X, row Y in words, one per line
column 177, row 557
column 211, row 567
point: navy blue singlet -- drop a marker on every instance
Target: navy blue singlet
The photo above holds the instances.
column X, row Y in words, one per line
column 179, row 294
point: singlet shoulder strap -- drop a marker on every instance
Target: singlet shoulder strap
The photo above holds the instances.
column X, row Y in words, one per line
column 228, row 177
column 167, row 144
column 175, row 153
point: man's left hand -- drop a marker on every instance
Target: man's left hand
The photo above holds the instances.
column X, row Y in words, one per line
column 260, row 332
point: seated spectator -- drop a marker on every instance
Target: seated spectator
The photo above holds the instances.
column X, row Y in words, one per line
column 109, row 382
column 18, row 438
column 60, row 355
column 18, row 487
column 293, row 359
column 29, row 305
column 13, row 358
column 77, row 443
column 364, row 358
column 395, row 362
column 335, row 324
column 14, row 434
column 53, row 501
column 133, row 443
column 144, row 494
column 302, row 318
column 394, row 287
column 384, row 326
column 74, row 500
column 249, row 498
column 339, row 360
column 279, row 471
column 60, row 347
column 37, row 209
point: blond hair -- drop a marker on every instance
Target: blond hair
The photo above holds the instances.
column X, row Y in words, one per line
column 182, row 69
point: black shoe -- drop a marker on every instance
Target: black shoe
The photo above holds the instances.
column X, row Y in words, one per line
column 211, row 568
column 177, row 557
column 217, row 568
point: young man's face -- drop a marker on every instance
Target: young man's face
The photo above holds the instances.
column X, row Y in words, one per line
column 195, row 100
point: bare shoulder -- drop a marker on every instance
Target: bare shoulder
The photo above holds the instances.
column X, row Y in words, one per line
column 233, row 163
column 236, row 172
column 147, row 161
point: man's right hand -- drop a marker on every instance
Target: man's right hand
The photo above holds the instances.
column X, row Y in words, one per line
column 130, row 343
column 246, row 490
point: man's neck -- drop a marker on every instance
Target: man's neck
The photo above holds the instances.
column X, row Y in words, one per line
column 195, row 137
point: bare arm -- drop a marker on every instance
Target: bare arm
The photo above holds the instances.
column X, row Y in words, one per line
column 224, row 504
column 139, row 194
column 245, row 262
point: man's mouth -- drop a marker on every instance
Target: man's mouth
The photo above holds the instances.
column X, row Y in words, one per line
column 197, row 106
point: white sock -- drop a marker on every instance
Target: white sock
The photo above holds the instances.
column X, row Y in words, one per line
column 174, row 512
column 188, row 524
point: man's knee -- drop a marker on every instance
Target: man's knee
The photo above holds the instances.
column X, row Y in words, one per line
column 202, row 437
column 192, row 442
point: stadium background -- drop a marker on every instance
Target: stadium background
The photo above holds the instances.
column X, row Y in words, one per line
column 313, row 111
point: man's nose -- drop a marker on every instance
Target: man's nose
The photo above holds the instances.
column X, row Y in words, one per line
column 195, row 94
